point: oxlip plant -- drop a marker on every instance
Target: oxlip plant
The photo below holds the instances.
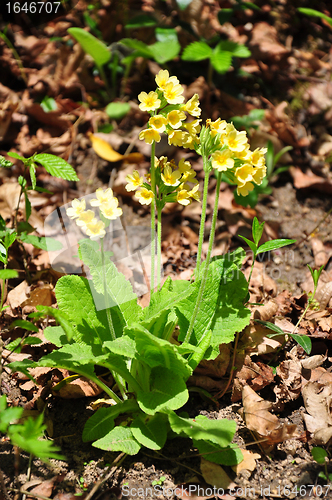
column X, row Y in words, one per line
column 145, row 356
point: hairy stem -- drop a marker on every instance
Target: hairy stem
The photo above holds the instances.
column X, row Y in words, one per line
column 153, row 216
column 202, row 225
column 108, row 311
column 207, row 262
column 159, row 249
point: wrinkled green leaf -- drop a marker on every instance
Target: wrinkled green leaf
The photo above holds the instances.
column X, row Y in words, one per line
column 119, row 439
column 152, row 432
column 197, row 51
column 58, row 167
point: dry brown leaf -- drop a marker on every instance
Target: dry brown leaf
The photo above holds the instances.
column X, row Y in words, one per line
column 265, row 44
column 254, row 340
column 217, row 367
column 79, row 388
column 289, row 372
column 310, row 180
column 320, row 255
column 267, row 311
column 317, row 397
column 248, row 462
column 257, row 375
column 215, row 475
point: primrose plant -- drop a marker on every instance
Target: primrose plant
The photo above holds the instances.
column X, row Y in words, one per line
column 147, row 355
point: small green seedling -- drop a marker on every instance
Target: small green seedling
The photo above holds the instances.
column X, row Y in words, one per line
column 321, row 457
column 316, row 13
column 159, row 481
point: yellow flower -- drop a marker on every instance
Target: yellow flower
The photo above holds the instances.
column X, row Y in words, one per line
column 158, row 123
column 177, row 138
column 257, row 157
column 244, row 155
column 134, row 181
column 222, row 160
column 193, row 127
column 236, row 141
column 217, row 127
column 175, row 117
column 145, row 196
column 76, row 209
column 111, row 210
column 244, row 189
column 244, row 173
column 149, row 102
column 194, row 193
column 102, row 197
column 160, row 162
column 170, row 178
column 95, row 229
column 183, row 197
column 85, row 218
column 184, row 165
column 172, row 93
column 189, row 141
column 192, row 106
column 162, row 78
column 258, row 174
column 149, row 135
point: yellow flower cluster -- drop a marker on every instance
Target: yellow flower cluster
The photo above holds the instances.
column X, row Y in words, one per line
column 168, row 111
column 86, row 219
column 173, row 183
column 235, row 158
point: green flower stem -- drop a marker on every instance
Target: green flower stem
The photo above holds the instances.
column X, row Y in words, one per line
column 108, row 311
column 207, row 262
column 105, row 388
column 202, row 226
column 159, row 248
column 153, row 217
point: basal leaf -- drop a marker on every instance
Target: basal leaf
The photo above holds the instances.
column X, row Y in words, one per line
column 219, row 432
column 58, row 167
column 224, row 456
column 167, row 391
column 124, row 346
column 56, row 335
column 91, row 45
column 119, row 439
column 197, row 51
column 151, row 433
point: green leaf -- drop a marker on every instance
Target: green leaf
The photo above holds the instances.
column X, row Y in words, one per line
column 319, row 454
column 32, row 171
column 219, row 432
column 6, row 274
column 274, row 245
column 49, row 104
column 117, row 110
column 3, row 254
column 257, row 230
column 197, row 51
column 26, row 325
column 140, row 48
column 236, row 49
column 5, row 163
column 200, row 350
column 303, row 341
column 231, row 455
column 250, row 243
column 270, row 326
column 56, row 335
column 91, row 45
column 141, row 21
column 167, row 392
column 15, row 345
column 102, row 421
column 122, row 300
column 224, row 15
column 124, row 346
column 166, row 35
column 58, row 167
column 17, row 156
column 10, row 237
column 151, row 433
column 8, row 415
column 221, row 61
column 27, row 206
column 61, row 318
column 31, row 341
column 42, row 242
column 315, row 13
column 281, row 153
column 119, row 439
column 165, row 51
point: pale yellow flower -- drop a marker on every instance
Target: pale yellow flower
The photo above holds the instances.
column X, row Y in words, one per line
column 160, row 162
column 189, row 141
column 172, row 93
column 162, row 78
column 149, row 102
column 85, row 218
column 102, row 197
column 245, row 189
column 175, row 118
column 177, row 138
column 257, row 157
column 169, row 177
column 183, row 197
column 195, row 193
column 244, row 155
column 236, row 141
column 144, row 196
column 217, row 127
column 184, row 165
column 77, row 208
column 95, row 229
column 193, row 127
column 158, row 123
column 111, row 210
column 222, row 160
column 258, row 174
column 134, row 181
column 192, row 106
column 244, row 173
column 149, row 135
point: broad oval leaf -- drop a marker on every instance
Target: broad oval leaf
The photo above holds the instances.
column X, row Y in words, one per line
column 117, row 110
column 6, row 274
column 91, row 45
column 58, row 167
column 153, row 433
column 303, row 341
column 221, row 61
column 165, row 51
column 119, row 439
